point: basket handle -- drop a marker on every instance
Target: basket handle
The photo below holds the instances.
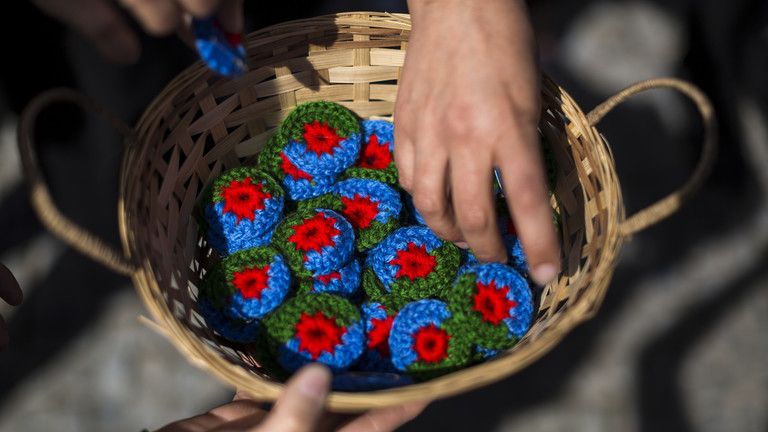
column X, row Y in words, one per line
column 672, row 202
column 40, row 196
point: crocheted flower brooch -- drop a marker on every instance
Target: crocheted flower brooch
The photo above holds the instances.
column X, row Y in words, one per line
column 411, row 263
column 496, row 303
column 243, row 207
column 321, row 328
column 316, row 242
column 314, row 144
column 372, row 207
column 376, row 160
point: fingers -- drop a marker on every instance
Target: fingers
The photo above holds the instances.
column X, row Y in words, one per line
column 219, row 417
column 301, row 404
column 102, row 25
column 10, row 291
column 430, row 188
column 200, row 8
column 385, row 419
column 525, row 188
column 473, row 203
column 404, row 155
column 158, row 17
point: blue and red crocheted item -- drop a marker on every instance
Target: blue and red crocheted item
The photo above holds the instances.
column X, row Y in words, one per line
column 324, row 259
column 243, row 207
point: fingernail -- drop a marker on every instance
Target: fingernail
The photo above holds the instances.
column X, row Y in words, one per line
column 544, row 273
column 462, row 245
column 314, row 381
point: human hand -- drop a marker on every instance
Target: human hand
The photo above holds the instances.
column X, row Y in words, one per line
column 299, row 409
column 468, row 102
column 100, row 21
column 11, row 293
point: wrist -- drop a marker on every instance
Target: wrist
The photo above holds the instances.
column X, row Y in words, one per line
column 422, row 9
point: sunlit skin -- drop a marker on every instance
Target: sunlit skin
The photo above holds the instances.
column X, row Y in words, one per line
column 468, row 101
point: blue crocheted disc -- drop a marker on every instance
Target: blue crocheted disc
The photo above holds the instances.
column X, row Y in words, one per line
column 316, row 242
column 378, row 324
column 384, row 131
column 416, row 239
column 418, row 338
column 515, row 251
column 366, row 381
column 292, row 359
column 316, row 328
column 495, row 279
column 326, row 164
column 231, row 329
column 344, row 282
column 258, row 289
column 386, row 199
column 223, row 52
column 301, row 185
column 243, row 210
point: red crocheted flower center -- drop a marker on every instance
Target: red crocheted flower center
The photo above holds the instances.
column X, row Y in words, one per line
column 251, row 281
column 244, row 198
column 320, row 138
column 359, row 210
column 327, row 278
column 492, row 302
column 314, row 233
column 375, row 155
column 318, row 333
column 292, row 170
column 431, row 344
column 378, row 337
column 414, row 262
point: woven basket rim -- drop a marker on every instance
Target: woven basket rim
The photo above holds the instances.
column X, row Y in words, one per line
column 615, row 228
column 453, row 383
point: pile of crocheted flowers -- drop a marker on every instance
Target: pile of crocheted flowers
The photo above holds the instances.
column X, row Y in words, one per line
column 323, row 259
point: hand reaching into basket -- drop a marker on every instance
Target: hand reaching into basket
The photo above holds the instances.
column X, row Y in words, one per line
column 468, row 102
column 11, row 293
column 100, row 21
column 299, row 409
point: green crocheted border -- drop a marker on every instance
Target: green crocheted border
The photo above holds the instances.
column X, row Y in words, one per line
column 280, row 324
column 284, row 230
column 212, row 192
column 460, row 350
column 387, row 175
column 436, row 284
column 404, row 291
column 336, row 116
column 239, row 174
column 460, row 301
column 214, row 286
column 217, row 284
column 365, row 238
column 269, row 159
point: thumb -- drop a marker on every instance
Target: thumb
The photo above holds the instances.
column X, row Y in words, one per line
column 100, row 22
column 301, row 404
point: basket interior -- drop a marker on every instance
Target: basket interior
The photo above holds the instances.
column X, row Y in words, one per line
column 201, row 125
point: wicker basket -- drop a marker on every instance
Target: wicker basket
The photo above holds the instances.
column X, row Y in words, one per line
column 200, row 125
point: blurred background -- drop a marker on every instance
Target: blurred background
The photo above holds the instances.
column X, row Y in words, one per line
column 680, row 344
